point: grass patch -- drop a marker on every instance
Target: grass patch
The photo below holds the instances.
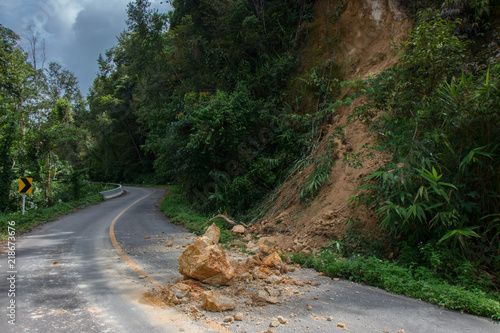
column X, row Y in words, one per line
column 178, row 209
column 39, row 216
column 418, row 282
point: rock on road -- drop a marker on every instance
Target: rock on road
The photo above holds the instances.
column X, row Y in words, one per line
column 71, row 278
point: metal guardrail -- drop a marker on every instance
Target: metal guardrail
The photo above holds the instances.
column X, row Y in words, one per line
column 112, row 193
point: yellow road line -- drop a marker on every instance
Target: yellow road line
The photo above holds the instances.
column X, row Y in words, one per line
column 139, row 271
column 125, row 257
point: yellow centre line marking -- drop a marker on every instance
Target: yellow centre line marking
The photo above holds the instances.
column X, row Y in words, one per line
column 138, row 270
column 125, row 257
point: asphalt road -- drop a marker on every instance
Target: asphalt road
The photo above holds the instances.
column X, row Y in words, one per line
column 74, row 275
column 70, row 278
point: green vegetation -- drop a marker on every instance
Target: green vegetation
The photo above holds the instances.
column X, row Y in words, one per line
column 39, row 133
column 177, row 208
column 198, row 94
column 442, row 186
column 89, row 195
column 436, row 113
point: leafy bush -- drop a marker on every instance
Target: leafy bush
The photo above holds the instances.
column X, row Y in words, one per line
column 215, row 146
column 442, row 128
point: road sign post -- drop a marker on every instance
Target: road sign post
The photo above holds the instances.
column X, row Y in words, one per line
column 25, row 186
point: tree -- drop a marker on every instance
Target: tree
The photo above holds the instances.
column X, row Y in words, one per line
column 14, row 117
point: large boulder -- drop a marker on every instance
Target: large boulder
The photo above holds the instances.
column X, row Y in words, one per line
column 206, row 262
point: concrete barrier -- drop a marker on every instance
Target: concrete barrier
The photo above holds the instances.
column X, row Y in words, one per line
column 112, row 193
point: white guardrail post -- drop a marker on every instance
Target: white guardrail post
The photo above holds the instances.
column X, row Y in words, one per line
column 112, row 193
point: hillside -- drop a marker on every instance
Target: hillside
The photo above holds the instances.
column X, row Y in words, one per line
column 361, row 45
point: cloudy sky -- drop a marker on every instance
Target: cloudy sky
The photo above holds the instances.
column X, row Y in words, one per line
column 75, row 31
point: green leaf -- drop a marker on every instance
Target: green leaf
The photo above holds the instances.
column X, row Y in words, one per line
column 467, row 232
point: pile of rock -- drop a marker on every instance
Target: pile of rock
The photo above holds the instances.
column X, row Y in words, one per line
column 205, row 266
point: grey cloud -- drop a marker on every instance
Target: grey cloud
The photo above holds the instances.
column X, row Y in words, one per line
column 95, row 30
column 76, row 31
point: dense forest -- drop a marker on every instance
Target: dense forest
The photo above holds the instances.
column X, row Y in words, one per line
column 40, row 123
column 209, row 97
column 199, row 95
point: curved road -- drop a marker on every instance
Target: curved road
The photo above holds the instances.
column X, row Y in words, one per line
column 90, row 271
column 70, row 278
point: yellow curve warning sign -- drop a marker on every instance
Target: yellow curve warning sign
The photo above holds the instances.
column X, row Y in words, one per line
column 25, row 185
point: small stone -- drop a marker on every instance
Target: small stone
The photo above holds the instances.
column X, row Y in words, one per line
column 169, row 244
column 274, row 323
column 261, row 272
column 342, row 325
column 401, row 331
column 181, row 290
column 170, row 298
column 329, row 318
column 309, row 307
column 282, row 320
column 273, row 279
column 272, row 291
column 147, row 237
column 228, row 319
column 299, row 283
column 263, row 296
column 238, row 316
column 246, row 276
column 216, row 302
column 272, row 300
column 272, row 260
column 256, row 260
column 181, row 330
column 213, row 233
column 55, row 262
column 238, row 229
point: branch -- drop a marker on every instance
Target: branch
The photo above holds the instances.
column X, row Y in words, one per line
column 225, row 218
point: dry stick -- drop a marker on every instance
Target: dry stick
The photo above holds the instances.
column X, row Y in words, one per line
column 225, row 218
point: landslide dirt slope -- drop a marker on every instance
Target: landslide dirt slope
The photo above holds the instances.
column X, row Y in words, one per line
column 359, row 44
